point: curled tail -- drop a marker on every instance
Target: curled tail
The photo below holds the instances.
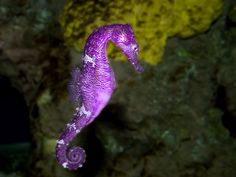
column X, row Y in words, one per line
column 74, row 157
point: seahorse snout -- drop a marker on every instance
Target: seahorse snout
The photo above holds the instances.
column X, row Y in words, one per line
column 137, row 67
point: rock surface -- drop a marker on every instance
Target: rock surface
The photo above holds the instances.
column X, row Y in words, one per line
column 176, row 119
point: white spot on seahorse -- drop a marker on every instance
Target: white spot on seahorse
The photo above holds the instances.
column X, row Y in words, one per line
column 89, row 59
column 65, row 164
column 71, row 126
column 82, row 111
column 60, row 142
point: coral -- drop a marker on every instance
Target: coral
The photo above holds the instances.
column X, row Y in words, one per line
column 153, row 21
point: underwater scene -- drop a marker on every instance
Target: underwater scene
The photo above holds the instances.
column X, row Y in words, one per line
column 123, row 88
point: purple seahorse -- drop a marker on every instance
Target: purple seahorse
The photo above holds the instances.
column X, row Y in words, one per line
column 93, row 86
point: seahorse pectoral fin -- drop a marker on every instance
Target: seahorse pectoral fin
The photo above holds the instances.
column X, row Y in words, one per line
column 74, row 85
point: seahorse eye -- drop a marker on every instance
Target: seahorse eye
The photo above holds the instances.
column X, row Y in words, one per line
column 135, row 48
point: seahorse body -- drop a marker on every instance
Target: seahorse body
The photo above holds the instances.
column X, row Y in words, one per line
column 93, row 86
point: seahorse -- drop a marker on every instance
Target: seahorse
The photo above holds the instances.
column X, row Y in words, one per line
column 92, row 87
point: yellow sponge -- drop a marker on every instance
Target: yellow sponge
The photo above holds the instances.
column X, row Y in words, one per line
column 153, row 21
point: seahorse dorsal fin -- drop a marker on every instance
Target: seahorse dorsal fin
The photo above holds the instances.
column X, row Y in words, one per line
column 74, row 85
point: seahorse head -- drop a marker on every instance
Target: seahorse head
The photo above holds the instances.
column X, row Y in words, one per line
column 124, row 39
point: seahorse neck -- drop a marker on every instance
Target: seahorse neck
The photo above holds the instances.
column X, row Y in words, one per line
column 97, row 42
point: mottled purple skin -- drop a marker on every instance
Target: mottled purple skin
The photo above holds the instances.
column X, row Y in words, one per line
column 93, row 86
